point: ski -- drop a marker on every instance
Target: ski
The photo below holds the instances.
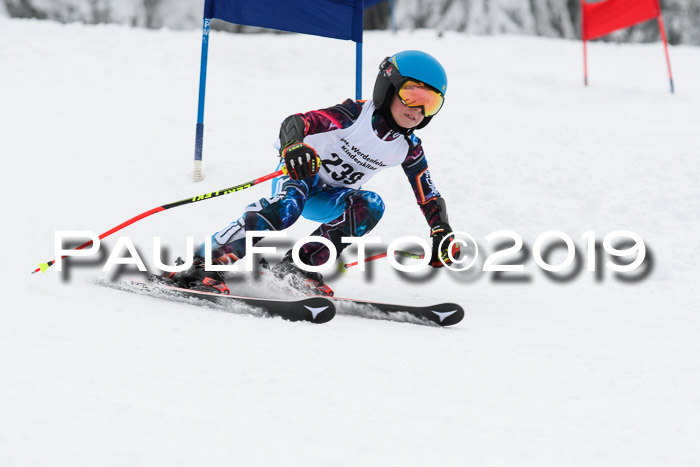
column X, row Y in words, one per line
column 316, row 310
column 442, row 314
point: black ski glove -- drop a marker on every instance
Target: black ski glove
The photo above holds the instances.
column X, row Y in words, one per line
column 300, row 160
column 439, row 231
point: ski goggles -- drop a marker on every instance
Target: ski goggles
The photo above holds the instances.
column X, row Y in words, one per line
column 416, row 94
column 412, row 92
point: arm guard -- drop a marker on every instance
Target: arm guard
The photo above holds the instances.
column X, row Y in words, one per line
column 295, row 127
column 435, row 211
column 292, row 130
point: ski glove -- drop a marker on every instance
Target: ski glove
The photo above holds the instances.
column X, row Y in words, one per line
column 300, row 160
column 438, row 232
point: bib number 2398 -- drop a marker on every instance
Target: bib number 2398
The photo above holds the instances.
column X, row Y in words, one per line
column 341, row 171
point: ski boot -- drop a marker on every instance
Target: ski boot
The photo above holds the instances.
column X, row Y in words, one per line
column 304, row 281
column 196, row 278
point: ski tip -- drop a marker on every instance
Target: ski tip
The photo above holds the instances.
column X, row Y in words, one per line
column 318, row 310
column 445, row 314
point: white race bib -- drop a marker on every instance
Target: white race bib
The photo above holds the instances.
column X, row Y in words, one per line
column 353, row 155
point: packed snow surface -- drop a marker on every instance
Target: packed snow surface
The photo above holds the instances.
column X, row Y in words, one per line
column 97, row 126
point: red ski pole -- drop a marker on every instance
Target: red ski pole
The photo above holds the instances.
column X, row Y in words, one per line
column 408, row 254
column 44, row 266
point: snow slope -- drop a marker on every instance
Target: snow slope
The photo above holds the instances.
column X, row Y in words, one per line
column 97, row 125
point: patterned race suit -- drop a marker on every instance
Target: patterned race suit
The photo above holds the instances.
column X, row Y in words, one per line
column 354, row 142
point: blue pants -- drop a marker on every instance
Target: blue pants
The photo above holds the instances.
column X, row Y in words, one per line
column 343, row 212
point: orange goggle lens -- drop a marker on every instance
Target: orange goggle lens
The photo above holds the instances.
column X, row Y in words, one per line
column 415, row 94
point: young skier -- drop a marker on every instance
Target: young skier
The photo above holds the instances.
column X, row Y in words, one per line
column 329, row 155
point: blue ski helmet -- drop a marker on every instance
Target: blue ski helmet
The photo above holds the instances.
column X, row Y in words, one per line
column 409, row 64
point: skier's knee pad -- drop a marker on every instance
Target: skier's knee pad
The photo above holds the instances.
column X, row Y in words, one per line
column 277, row 212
